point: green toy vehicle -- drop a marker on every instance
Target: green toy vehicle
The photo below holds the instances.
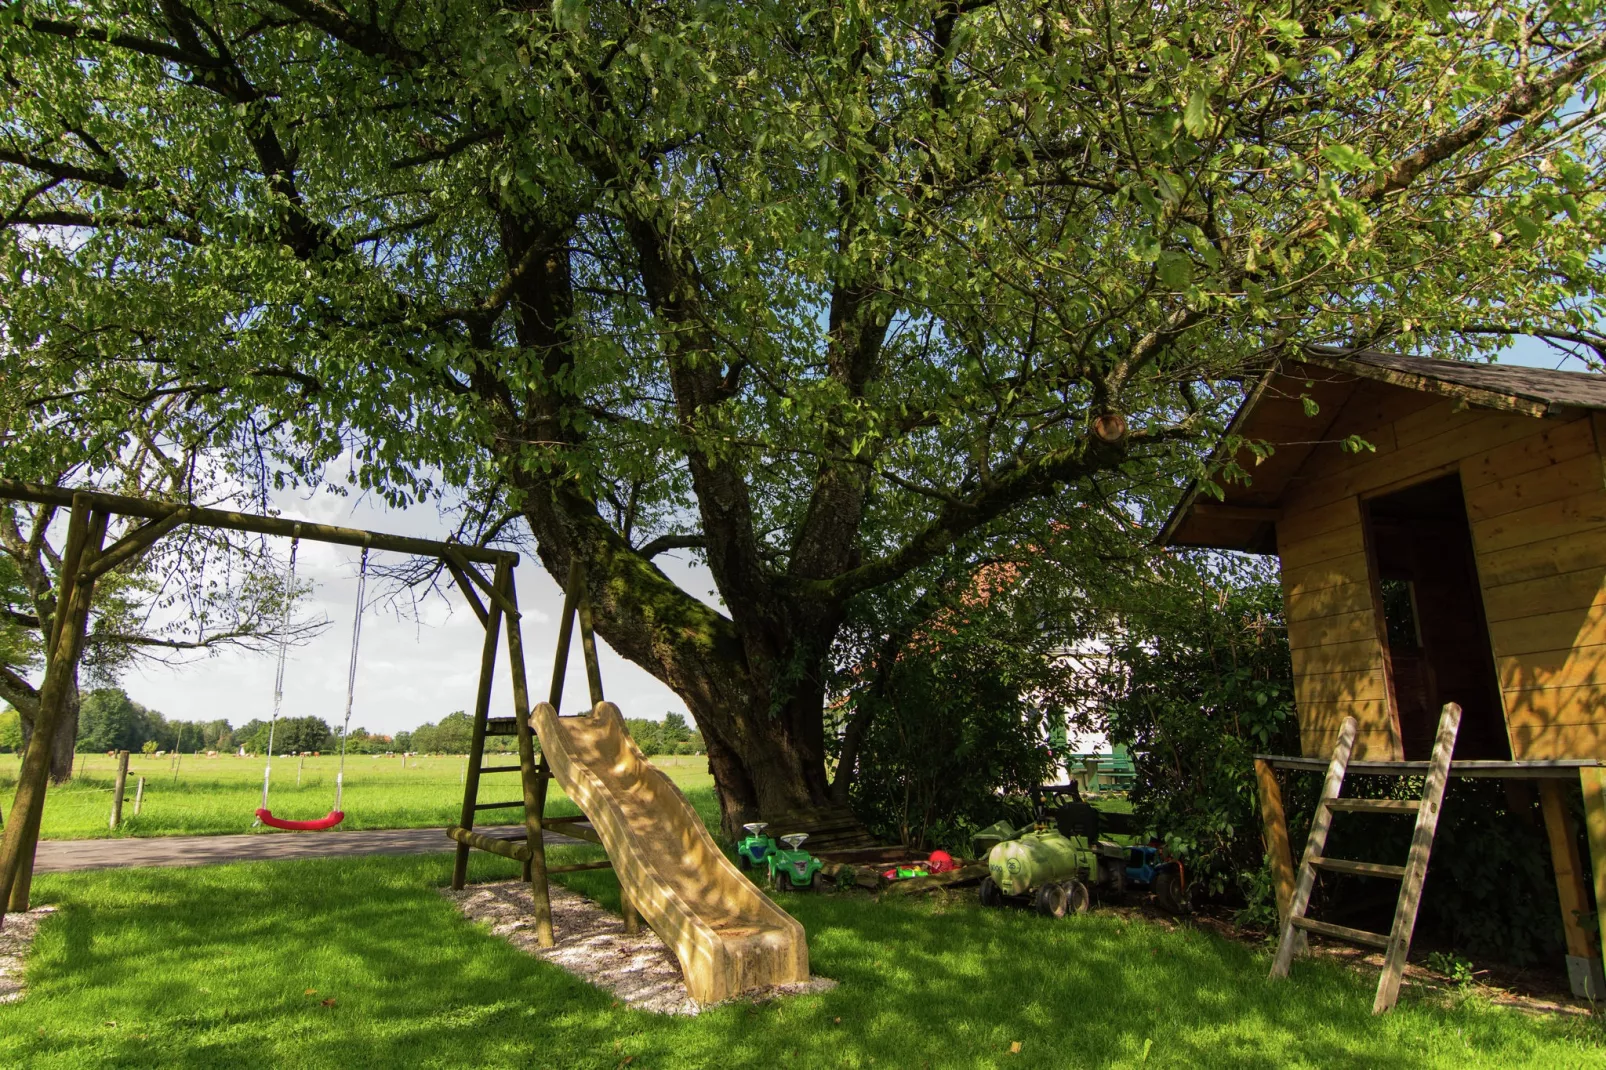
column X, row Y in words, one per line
column 1052, row 868
column 755, row 849
column 792, row 868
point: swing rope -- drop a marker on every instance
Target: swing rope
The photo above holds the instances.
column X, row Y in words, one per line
column 337, row 815
column 351, row 673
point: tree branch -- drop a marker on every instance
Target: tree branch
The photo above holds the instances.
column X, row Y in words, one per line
column 653, row 547
column 1007, row 488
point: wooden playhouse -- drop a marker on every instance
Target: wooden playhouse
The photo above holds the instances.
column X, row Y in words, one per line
column 1441, row 528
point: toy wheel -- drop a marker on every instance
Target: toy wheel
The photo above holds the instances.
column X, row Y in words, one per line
column 816, row 882
column 781, row 881
column 743, row 861
column 990, row 895
column 1076, row 897
column 1170, row 893
column 1052, row 902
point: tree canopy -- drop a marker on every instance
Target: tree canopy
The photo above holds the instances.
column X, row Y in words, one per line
column 826, row 292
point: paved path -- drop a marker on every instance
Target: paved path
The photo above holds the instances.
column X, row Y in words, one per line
column 57, row 856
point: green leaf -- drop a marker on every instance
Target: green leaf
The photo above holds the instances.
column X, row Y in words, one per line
column 1175, row 269
column 1196, row 116
column 1348, row 158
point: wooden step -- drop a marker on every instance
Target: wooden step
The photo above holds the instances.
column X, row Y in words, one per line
column 501, row 726
column 1358, row 869
column 498, row 806
column 519, row 852
column 498, row 769
column 1341, row 932
column 1376, row 806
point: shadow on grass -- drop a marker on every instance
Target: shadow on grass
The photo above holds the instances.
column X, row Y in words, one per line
column 212, row 966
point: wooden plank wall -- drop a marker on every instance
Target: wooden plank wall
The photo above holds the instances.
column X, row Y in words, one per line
column 1538, row 512
column 1332, row 634
column 1537, row 503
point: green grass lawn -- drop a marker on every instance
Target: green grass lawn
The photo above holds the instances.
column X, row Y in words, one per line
column 212, row 966
column 220, row 795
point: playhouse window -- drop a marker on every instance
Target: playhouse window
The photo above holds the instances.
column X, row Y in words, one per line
column 1399, row 615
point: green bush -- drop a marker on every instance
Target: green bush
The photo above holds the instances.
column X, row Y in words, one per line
column 10, row 731
column 1198, row 680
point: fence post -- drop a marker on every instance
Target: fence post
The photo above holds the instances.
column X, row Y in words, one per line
column 117, row 792
column 139, row 796
column 299, row 763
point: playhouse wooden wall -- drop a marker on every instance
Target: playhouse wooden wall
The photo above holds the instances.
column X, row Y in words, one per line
column 1536, row 500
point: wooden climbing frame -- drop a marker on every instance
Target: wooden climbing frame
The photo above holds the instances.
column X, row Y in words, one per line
column 85, row 558
column 527, row 844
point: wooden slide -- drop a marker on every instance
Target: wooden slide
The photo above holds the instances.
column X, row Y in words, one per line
column 728, row 935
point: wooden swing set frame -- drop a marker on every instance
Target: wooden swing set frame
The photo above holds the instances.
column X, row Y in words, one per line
column 85, row 558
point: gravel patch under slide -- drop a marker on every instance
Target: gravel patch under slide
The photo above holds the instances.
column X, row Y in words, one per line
column 640, row 971
column 15, row 940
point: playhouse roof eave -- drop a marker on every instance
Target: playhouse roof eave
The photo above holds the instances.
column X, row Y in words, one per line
column 1243, row 516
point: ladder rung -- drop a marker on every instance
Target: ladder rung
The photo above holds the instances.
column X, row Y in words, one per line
column 501, row 726
column 1341, row 932
column 1376, row 806
column 499, row 769
column 499, row 806
column 1358, row 869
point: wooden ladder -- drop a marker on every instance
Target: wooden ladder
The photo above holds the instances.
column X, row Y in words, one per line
column 1397, row 942
column 527, row 843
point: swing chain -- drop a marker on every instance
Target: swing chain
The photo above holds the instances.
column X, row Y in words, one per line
column 284, row 651
column 351, row 670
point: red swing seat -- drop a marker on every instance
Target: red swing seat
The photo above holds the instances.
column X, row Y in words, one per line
column 328, row 821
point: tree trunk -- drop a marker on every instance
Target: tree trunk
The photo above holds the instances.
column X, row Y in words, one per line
column 761, row 713
column 61, row 753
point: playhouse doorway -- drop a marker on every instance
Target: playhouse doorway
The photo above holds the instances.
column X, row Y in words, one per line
column 1432, row 618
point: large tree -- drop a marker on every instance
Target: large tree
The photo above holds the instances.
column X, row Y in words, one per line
column 823, row 291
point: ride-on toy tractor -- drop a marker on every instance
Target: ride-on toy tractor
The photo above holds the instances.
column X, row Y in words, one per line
column 1052, row 871
column 792, row 868
column 755, row 848
column 1058, row 865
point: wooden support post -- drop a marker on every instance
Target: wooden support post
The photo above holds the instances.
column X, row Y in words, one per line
column 588, row 646
column 117, row 791
column 533, row 780
column 1583, row 957
column 577, row 609
column 476, row 745
column 86, row 531
column 139, row 796
column 1274, row 834
column 1290, row 943
column 560, row 663
column 1593, row 781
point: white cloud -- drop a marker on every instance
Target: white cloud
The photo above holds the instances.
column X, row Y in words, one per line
column 409, row 670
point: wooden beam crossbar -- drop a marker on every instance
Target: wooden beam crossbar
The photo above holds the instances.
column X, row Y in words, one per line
column 123, row 505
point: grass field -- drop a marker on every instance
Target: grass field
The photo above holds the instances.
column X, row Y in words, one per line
column 361, row 963
column 220, row 795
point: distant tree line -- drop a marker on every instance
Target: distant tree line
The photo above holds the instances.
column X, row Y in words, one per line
column 672, row 735
column 454, row 733
column 110, row 720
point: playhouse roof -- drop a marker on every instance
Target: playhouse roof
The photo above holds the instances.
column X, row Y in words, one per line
column 1275, row 411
